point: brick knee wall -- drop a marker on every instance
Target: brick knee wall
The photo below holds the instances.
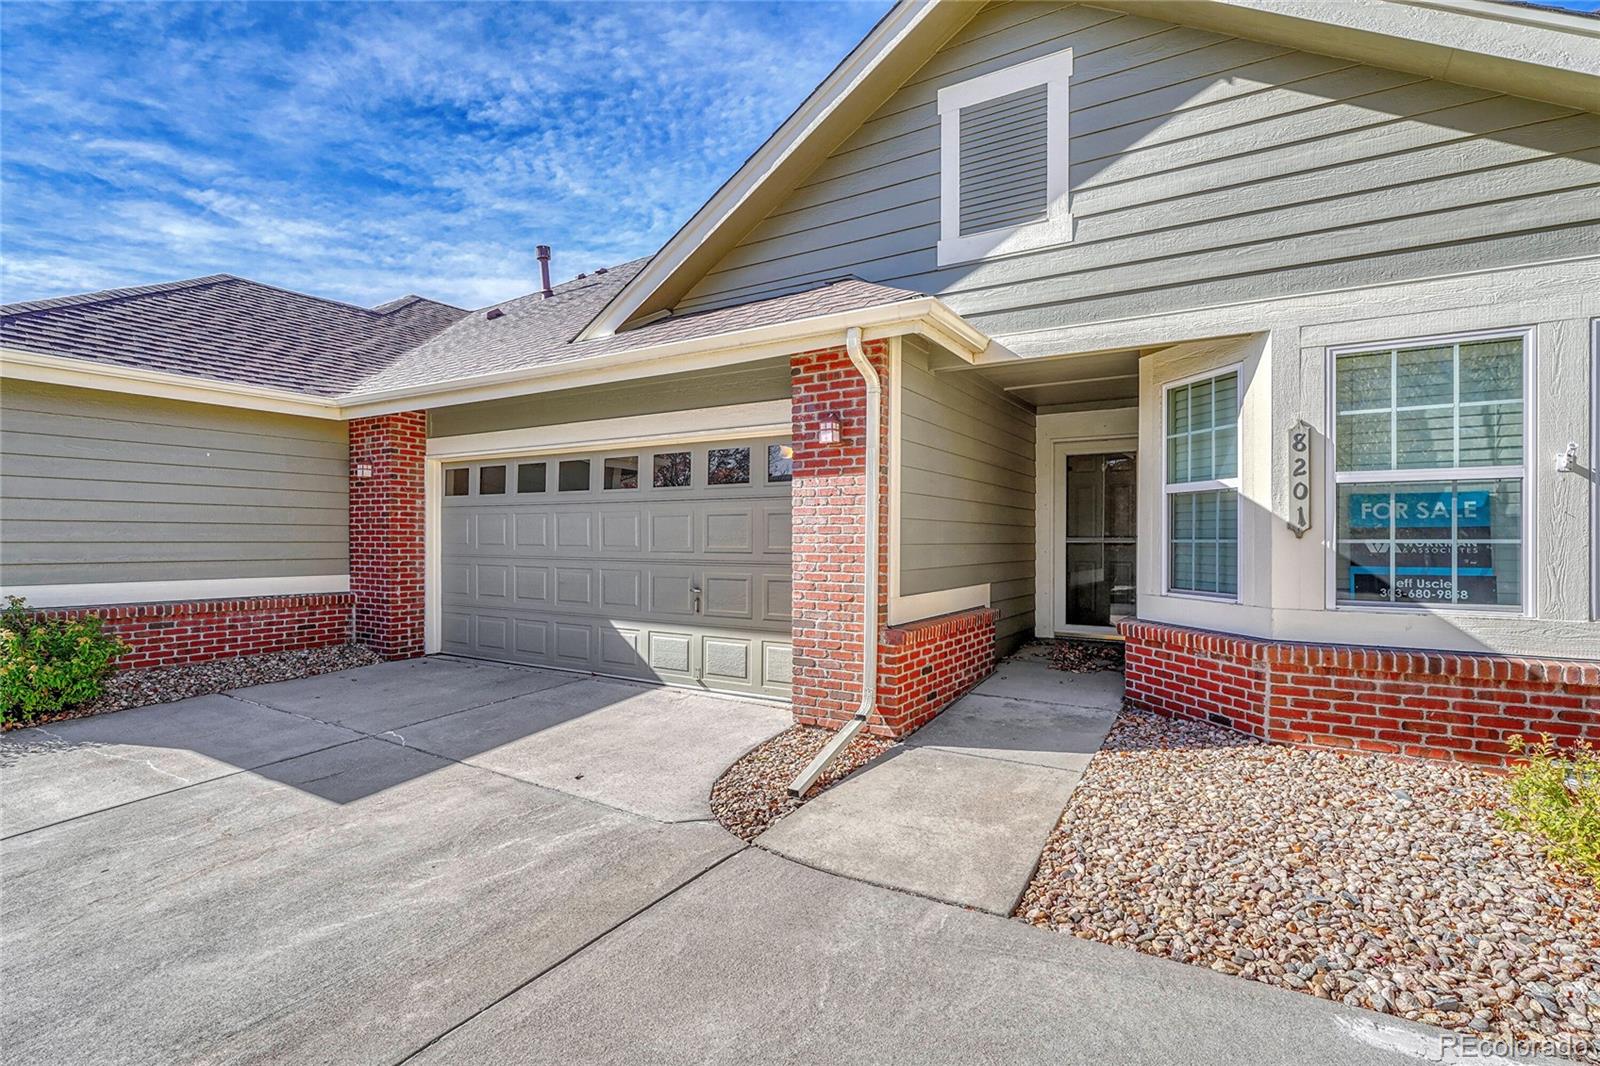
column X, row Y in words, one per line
column 387, row 523
column 926, row 666
column 197, row 631
column 1435, row 705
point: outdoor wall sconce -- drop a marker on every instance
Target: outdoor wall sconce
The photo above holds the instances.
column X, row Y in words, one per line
column 828, row 428
column 363, row 470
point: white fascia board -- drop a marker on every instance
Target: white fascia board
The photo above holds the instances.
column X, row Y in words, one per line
column 884, row 38
column 110, row 593
column 926, row 316
column 84, row 374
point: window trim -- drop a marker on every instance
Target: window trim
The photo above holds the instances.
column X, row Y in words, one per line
column 1526, row 473
column 1211, row 485
column 1051, row 71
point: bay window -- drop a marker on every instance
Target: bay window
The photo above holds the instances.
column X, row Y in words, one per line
column 1429, row 449
column 1202, row 486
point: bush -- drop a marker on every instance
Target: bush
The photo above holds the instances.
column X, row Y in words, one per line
column 50, row 665
column 1555, row 796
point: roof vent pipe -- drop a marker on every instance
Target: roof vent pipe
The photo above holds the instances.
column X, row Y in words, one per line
column 869, row 591
column 544, row 272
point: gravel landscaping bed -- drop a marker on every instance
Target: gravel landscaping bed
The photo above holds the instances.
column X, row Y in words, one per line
column 139, row 688
column 754, row 792
column 1378, row 883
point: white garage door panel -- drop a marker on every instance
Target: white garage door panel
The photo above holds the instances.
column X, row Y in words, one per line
column 684, row 584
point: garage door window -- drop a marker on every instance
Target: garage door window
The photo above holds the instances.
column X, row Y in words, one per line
column 622, row 472
column 457, row 482
column 530, row 477
column 728, row 466
column 492, row 481
column 780, row 463
column 574, row 475
column 673, row 470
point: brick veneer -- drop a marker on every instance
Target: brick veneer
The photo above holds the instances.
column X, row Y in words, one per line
column 1423, row 704
column 387, row 521
column 925, row 666
column 173, row 634
column 922, row 667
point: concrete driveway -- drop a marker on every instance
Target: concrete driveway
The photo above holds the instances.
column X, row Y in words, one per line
column 450, row 861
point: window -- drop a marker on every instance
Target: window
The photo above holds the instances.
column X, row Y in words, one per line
column 728, row 466
column 457, row 481
column 491, row 481
column 573, row 475
column 621, row 472
column 1428, row 471
column 1202, row 486
column 780, row 463
column 672, row 470
column 1003, row 161
column 530, row 477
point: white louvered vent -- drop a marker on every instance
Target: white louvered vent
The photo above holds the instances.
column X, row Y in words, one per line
column 1004, row 161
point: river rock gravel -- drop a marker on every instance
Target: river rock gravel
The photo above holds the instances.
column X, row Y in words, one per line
column 754, row 792
column 138, row 688
column 1378, row 883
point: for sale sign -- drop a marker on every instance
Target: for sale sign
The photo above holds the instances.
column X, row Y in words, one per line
column 1421, row 547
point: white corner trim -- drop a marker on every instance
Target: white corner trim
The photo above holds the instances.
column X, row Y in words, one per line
column 111, row 593
column 1052, row 71
column 432, row 557
column 87, row 374
column 904, row 609
column 763, row 419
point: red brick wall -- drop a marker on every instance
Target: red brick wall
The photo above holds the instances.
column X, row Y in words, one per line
column 173, row 634
column 387, row 515
column 1435, row 705
column 925, row 666
column 828, row 494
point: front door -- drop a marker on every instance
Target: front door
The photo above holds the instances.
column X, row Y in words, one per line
column 1101, row 511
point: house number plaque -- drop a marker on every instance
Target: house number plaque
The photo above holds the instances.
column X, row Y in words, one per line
column 1299, row 478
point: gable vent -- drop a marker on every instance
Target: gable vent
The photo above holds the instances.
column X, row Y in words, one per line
column 1004, row 159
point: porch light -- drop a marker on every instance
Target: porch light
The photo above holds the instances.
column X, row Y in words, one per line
column 363, row 470
column 828, row 428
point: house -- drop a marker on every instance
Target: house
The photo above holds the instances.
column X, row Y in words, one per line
column 1260, row 334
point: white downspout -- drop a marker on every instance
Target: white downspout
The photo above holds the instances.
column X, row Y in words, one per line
column 872, row 485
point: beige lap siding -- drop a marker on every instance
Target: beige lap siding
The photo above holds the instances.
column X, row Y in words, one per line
column 1431, row 705
column 179, row 634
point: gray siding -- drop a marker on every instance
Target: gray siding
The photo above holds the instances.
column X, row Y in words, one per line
column 752, row 383
column 1204, row 170
column 103, row 487
column 966, row 491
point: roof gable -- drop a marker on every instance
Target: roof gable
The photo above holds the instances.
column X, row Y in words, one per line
column 1525, row 51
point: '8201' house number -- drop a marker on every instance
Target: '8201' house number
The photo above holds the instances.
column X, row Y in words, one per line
column 1299, row 478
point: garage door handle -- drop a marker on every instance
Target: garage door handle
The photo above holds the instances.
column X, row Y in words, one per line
column 695, row 591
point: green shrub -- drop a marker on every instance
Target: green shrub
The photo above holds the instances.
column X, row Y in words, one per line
column 1555, row 796
column 50, row 665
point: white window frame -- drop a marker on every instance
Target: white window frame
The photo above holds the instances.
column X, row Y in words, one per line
column 1594, row 464
column 1052, row 71
column 1525, row 473
column 1168, row 490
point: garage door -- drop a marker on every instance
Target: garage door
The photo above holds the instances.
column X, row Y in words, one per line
column 668, row 563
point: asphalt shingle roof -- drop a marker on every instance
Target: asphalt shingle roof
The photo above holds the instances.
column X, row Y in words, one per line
column 231, row 329
column 228, row 329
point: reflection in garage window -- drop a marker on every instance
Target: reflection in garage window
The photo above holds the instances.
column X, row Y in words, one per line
column 780, row 462
column 530, row 477
column 672, row 470
column 728, row 466
column 622, row 472
column 456, row 481
column 573, row 475
column 492, row 481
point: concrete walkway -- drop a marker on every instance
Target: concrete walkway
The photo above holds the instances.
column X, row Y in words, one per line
column 962, row 810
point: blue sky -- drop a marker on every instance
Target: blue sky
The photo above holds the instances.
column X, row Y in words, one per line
column 361, row 151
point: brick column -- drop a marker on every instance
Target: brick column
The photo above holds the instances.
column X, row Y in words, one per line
column 829, row 537
column 387, row 518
